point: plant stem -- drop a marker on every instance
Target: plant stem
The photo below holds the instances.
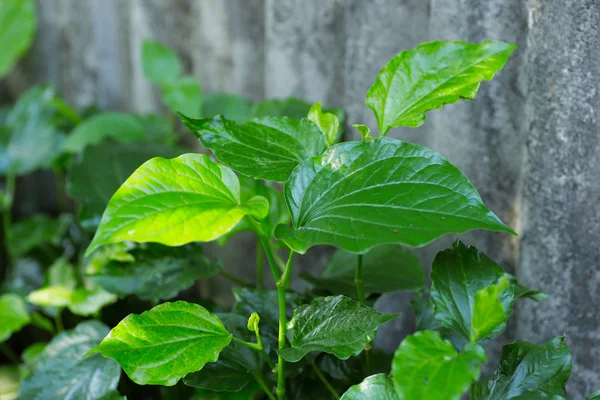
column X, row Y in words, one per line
column 257, row 347
column 282, row 285
column 280, row 262
column 259, row 266
column 7, row 351
column 320, row 375
column 360, row 292
column 264, row 387
column 235, row 279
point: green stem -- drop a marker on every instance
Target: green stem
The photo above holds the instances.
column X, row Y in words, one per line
column 282, row 285
column 235, row 279
column 58, row 322
column 259, row 266
column 278, row 260
column 360, row 292
column 320, row 375
column 257, row 347
column 264, row 387
column 7, row 351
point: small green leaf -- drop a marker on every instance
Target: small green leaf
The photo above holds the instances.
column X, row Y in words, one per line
column 253, row 322
column 51, row 296
column 17, row 29
column 375, row 387
column 160, row 63
column 266, row 148
column 37, row 230
column 431, row 75
column 183, row 95
column 65, row 371
column 528, row 371
column 174, row 202
column 42, row 322
column 32, row 353
column 10, row 379
column 164, row 344
column 524, row 292
column 156, row 272
column 386, row 268
column 231, row 106
column 328, row 123
column 13, row 315
column 108, row 125
column 465, row 282
column 61, row 273
column 356, row 196
column 364, row 131
column 86, row 302
column 311, row 329
column 595, row 395
column 426, row 367
column 93, row 187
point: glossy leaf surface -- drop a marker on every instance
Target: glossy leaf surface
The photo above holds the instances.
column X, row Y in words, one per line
column 375, row 387
column 164, row 344
column 464, row 283
column 426, row 367
column 356, row 196
column 160, row 63
column 528, row 371
column 37, row 230
column 64, row 371
column 159, row 272
column 336, row 325
column 174, row 202
column 433, row 74
column 13, row 315
column 266, row 148
column 17, row 29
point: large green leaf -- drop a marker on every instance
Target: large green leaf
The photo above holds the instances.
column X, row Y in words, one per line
column 10, row 379
column 174, row 202
column 36, row 230
column 426, row 367
column 465, row 282
column 64, row 371
column 13, row 315
column 237, row 366
column 183, row 95
column 336, row 325
column 431, row 75
column 160, row 63
column 375, row 387
column 93, row 186
column 108, row 125
column 164, row 344
column 231, row 106
column 266, row 148
column 33, row 138
column 158, row 273
column 358, row 195
column 528, row 371
column 386, row 268
column 17, row 28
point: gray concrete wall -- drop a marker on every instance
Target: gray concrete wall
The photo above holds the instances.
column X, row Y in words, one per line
column 529, row 142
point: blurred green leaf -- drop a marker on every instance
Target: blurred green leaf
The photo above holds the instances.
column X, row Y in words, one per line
column 160, row 63
column 231, row 106
column 183, row 95
column 17, row 29
column 13, row 315
column 10, row 379
column 39, row 229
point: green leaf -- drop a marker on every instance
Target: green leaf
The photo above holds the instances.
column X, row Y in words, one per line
column 426, row 367
column 311, row 329
column 328, row 123
column 93, row 187
column 32, row 354
column 160, row 63
column 524, row 292
column 13, row 315
column 237, row 366
column 186, row 199
column 113, row 395
column 528, row 371
column 183, row 95
column 37, row 230
column 595, row 395
column 375, row 387
column 34, row 139
column 86, row 302
column 17, row 29
column 289, row 107
column 433, row 74
column 231, row 106
column 247, row 393
column 386, row 268
column 42, row 322
column 61, row 273
column 10, row 380
column 356, row 196
column 108, row 125
column 159, row 272
column 24, row 277
column 164, row 344
column 465, row 282
column 65, row 372
column 267, row 148
column 364, row 131
column 51, row 296
column 157, row 129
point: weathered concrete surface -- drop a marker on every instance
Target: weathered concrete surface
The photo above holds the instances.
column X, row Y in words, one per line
column 529, row 142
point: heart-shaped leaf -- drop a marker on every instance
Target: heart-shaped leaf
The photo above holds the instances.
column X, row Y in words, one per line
column 164, row 344
column 359, row 195
column 13, row 315
column 431, row 75
column 375, row 387
column 426, row 367
column 265, row 148
column 65, row 372
column 528, row 371
column 312, row 329
column 17, row 29
column 174, row 202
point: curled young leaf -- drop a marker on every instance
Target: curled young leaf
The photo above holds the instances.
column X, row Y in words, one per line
column 328, row 123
